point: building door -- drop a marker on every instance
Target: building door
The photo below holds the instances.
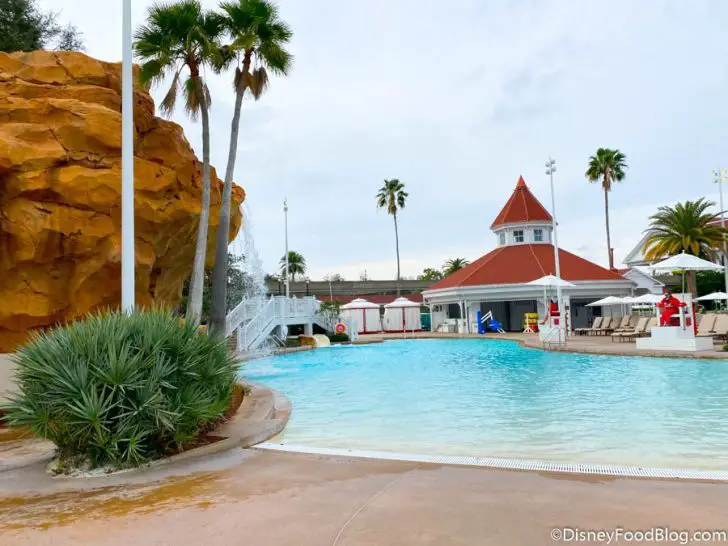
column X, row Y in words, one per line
column 581, row 315
column 516, row 314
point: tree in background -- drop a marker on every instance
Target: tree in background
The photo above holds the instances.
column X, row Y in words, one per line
column 709, row 281
column 393, row 197
column 259, row 40
column 24, row 27
column 334, row 278
column 607, row 166
column 330, row 311
column 179, row 36
column 686, row 227
column 430, row 274
column 296, row 265
column 237, row 280
column 453, row 265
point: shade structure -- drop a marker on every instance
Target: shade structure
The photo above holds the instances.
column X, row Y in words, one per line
column 609, row 300
column 402, row 315
column 685, row 262
column 552, row 281
column 715, row 296
column 364, row 316
column 648, row 298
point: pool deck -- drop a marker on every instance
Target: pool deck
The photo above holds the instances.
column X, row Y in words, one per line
column 272, row 499
column 602, row 345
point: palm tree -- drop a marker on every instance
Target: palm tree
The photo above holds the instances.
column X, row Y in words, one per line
column 179, row 36
column 393, row 197
column 296, row 265
column 686, row 227
column 607, row 166
column 453, row 265
column 259, row 40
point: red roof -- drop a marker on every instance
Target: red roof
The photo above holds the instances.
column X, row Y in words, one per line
column 381, row 299
column 522, row 207
column 517, row 264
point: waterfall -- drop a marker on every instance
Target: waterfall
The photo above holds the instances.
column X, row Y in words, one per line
column 247, row 262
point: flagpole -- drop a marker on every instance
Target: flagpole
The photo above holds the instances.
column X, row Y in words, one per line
column 127, row 165
column 550, row 169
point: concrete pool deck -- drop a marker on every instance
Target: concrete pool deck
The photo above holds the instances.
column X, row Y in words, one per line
column 271, row 499
column 602, row 345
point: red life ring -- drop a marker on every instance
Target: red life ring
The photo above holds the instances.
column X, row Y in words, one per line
column 340, row 328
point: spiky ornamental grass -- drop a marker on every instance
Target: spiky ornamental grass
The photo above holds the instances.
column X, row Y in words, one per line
column 121, row 389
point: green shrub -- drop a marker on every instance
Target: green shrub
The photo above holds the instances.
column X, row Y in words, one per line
column 121, row 389
column 338, row 338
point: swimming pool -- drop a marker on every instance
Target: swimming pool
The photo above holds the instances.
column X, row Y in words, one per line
column 488, row 398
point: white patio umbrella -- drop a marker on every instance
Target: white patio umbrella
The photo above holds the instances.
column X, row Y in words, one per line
column 648, row 298
column 685, row 262
column 609, row 300
column 715, row 296
column 552, row 281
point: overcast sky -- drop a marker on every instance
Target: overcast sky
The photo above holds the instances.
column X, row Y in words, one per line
column 456, row 99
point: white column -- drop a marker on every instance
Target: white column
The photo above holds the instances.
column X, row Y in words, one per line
column 285, row 221
column 550, row 169
column 127, row 165
column 720, row 176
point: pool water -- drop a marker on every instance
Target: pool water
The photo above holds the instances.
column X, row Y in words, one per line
column 495, row 398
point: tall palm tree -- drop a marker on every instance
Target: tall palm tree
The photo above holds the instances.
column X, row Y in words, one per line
column 296, row 265
column 453, row 265
column 607, row 166
column 393, row 197
column 181, row 37
column 686, row 227
column 259, row 40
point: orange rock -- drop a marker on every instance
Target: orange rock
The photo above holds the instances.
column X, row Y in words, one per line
column 60, row 183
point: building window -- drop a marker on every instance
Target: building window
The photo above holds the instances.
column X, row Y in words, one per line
column 518, row 235
column 538, row 235
column 502, row 239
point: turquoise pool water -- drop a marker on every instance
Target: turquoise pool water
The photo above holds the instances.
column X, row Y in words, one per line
column 496, row 398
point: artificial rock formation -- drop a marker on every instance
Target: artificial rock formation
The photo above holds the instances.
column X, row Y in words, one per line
column 60, row 194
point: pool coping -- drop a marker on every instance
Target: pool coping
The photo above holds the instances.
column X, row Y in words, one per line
column 497, row 463
column 537, row 345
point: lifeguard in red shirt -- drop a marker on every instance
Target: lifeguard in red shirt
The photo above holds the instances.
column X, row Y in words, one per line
column 670, row 306
column 552, row 313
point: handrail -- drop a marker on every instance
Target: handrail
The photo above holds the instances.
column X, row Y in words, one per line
column 556, row 332
column 252, row 329
column 246, row 308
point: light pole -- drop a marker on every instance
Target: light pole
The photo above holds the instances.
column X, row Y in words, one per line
column 721, row 175
column 550, row 170
column 285, row 214
column 127, row 165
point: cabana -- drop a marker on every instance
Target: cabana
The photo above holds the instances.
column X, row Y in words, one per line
column 402, row 315
column 364, row 316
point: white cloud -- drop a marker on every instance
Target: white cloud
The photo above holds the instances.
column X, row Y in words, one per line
column 457, row 100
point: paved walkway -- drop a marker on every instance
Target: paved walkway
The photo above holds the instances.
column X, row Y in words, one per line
column 277, row 499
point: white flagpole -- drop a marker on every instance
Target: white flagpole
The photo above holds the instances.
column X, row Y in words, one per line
column 127, row 165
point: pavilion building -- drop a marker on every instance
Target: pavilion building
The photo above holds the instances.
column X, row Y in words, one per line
column 498, row 281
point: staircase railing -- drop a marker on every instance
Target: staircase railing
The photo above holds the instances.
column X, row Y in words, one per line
column 245, row 310
column 252, row 333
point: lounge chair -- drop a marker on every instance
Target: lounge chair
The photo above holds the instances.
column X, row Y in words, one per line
column 626, row 324
column 640, row 329
column 720, row 330
column 706, row 324
column 607, row 326
column 595, row 326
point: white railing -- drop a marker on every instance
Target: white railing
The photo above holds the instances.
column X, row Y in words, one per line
column 245, row 310
column 249, row 334
column 254, row 319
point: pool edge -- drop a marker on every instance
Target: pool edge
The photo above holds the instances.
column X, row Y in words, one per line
column 512, row 464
